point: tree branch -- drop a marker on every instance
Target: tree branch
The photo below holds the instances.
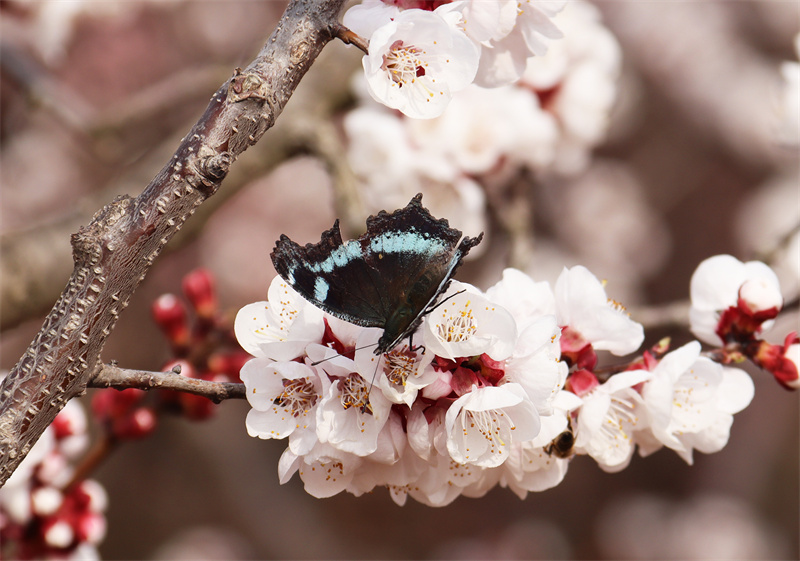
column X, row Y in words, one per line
column 110, row 376
column 114, row 252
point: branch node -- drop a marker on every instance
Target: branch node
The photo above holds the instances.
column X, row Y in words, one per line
column 216, row 167
column 246, row 85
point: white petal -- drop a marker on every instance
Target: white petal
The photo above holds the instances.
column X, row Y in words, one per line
column 736, row 390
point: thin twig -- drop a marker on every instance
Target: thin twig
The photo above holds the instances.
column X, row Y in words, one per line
column 111, row 376
column 350, row 38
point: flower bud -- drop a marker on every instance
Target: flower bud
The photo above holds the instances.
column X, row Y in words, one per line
column 70, row 421
column 121, row 413
column 46, row 500
column 198, row 286
column 170, row 315
column 91, row 528
column 782, row 361
column 91, row 495
column 758, row 297
column 196, row 407
column 228, row 363
column 57, row 533
column 582, row 382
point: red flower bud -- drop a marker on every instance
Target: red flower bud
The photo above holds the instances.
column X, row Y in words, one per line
column 198, row 286
column 121, row 414
column 581, row 382
column 782, row 361
column 170, row 315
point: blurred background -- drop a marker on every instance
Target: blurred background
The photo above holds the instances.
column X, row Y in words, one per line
column 698, row 156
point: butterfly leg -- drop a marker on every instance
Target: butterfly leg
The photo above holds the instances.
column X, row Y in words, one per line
column 414, row 349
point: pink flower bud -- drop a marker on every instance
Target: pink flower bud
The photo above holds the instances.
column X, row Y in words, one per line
column 90, row 527
column 121, row 413
column 582, row 382
column 170, row 315
column 760, row 298
column 196, row 407
column 576, row 350
column 228, row 363
column 46, row 500
column 57, row 533
column 198, row 286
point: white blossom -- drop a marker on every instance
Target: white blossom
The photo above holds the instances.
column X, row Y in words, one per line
column 690, row 401
column 719, row 282
column 583, row 307
column 503, row 59
column 608, row 418
column 352, row 412
column 467, row 324
column 577, row 78
column 283, row 397
column 482, row 424
column 399, row 373
column 280, row 328
column 416, row 61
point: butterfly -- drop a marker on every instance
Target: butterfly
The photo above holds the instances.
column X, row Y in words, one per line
column 389, row 277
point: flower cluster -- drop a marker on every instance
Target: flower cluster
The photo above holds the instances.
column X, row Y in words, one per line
column 733, row 304
column 548, row 121
column 505, row 388
column 43, row 515
column 421, row 52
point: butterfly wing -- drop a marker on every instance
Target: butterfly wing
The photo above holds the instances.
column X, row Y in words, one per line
column 333, row 276
column 386, row 278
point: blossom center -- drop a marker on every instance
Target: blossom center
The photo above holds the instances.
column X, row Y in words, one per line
column 355, row 393
column 404, row 64
column 490, row 425
column 298, row 396
column 619, row 417
column 458, row 327
column 399, row 366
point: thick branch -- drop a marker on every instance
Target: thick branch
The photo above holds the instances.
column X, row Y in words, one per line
column 114, row 252
column 111, row 376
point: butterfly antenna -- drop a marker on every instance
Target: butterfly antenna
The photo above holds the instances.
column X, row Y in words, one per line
column 371, row 383
column 338, row 354
column 429, row 310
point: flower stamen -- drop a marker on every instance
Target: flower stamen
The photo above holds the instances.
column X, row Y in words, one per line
column 355, row 393
column 298, row 396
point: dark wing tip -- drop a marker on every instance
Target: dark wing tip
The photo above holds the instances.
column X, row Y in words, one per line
column 468, row 243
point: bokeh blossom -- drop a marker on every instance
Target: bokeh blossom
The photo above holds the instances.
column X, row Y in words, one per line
column 44, row 514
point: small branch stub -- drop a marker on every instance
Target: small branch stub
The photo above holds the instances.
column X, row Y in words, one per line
column 350, row 38
column 111, row 376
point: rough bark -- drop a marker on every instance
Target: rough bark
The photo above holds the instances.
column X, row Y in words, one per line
column 114, row 252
